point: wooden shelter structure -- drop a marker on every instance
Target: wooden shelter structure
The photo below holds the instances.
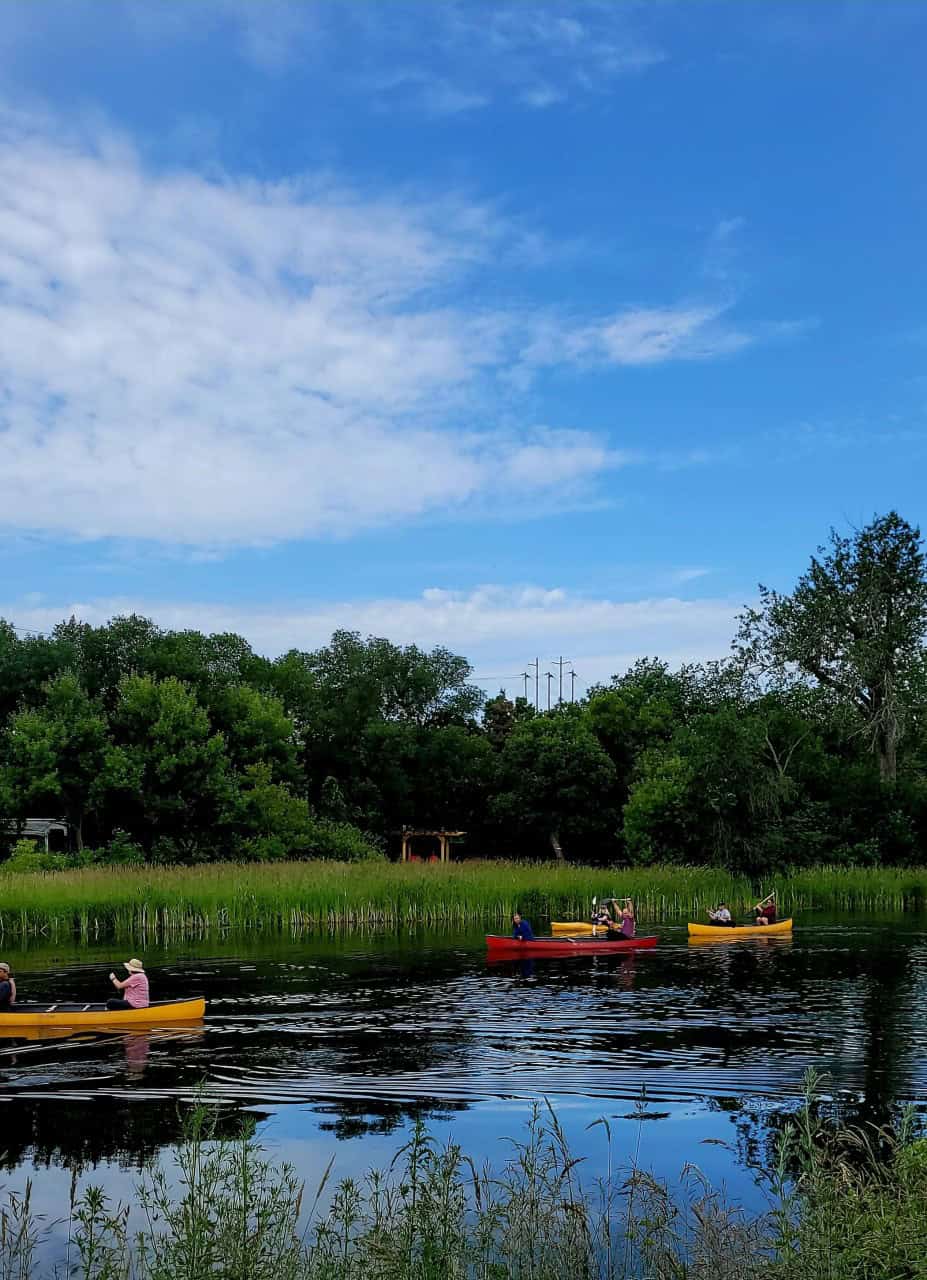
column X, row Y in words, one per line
column 443, row 838
column 50, row 834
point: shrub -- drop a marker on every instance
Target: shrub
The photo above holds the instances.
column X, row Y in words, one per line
column 120, row 851
column 26, row 855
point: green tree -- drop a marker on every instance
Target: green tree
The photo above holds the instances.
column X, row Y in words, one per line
column 856, row 624
column 27, row 663
column 501, row 715
column 556, row 783
column 55, row 756
column 168, row 769
column 256, row 730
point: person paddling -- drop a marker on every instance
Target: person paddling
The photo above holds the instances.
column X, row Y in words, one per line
column 7, row 988
column 134, row 988
column 600, row 916
column 626, row 926
column 765, row 911
column 722, row 916
column 521, row 928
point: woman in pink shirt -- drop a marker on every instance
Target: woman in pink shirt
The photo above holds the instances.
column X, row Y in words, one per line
column 134, row 988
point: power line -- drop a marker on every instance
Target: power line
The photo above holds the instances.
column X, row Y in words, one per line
column 26, row 631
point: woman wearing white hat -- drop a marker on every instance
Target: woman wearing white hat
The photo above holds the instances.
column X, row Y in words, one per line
column 134, row 988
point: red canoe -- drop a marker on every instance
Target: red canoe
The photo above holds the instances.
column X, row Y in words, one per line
column 499, row 945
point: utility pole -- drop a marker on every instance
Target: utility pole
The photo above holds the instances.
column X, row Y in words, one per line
column 560, row 663
column 572, row 685
column 537, row 682
column 550, row 676
column 524, row 676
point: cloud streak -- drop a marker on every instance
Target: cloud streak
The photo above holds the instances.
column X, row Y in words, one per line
column 214, row 363
column 217, row 363
column 498, row 627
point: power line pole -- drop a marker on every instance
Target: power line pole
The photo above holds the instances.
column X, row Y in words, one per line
column 524, row 676
column 550, row 676
column 572, row 685
column 560, row 663
column 537, row 682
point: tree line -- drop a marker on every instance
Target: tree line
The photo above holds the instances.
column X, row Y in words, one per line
column 808, row 744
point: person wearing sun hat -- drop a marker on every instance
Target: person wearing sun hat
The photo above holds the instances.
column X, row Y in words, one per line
column 134, row 988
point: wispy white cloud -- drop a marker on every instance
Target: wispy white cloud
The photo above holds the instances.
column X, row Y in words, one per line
column 460, row 54
column 499, row 628
column 210, row 362
column 638, row 336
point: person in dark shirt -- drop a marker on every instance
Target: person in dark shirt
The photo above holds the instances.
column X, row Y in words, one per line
column 765, row 911
column 7, row 987
column 522, row 928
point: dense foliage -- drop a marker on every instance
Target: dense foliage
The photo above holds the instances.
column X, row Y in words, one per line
column 807, row 746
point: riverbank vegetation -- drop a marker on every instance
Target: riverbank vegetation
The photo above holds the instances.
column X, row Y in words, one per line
column 808, row 746
column 135, row 902
column 845, row 1205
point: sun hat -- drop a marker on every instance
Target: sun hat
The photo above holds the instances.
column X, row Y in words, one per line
column 134, row 966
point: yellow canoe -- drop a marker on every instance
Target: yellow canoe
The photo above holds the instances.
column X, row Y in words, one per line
column 576, row 928
column 97, row 1015
column 739, row 931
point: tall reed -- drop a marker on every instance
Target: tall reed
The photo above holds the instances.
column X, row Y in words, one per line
column 294, row 896
column 850, row 1207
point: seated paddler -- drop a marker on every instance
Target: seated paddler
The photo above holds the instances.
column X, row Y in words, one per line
column 134, row 988
column 521, row 928
column 7, row 987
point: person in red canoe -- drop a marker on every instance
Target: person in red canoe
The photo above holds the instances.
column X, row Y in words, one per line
column 522, row 928
column 765, row 911
column 625, row 925
column 134, row 988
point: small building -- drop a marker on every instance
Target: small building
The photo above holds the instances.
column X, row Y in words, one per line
column 50, row 834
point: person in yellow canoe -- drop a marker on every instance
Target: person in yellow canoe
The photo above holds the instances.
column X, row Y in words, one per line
column 765, row 911
column 601, row 917
column 7, row 987
column 722, row 916
column 134, row 988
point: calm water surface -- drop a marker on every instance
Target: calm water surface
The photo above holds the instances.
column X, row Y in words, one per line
column 335, row 1044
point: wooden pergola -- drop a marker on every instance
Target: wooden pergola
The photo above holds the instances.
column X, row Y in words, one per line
column 443, row 838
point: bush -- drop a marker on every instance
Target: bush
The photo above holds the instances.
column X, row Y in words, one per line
column 341, row 842
column 26, row 855
column 121, row 851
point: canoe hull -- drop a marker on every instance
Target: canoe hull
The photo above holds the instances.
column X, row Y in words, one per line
column 499, row 946
column 575, row 928
column 78, row 1015
column 740, row 931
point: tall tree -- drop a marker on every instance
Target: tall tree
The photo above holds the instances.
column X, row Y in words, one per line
column 556, row 780
column 55, row 756
column 168, row 768
column 856, row 624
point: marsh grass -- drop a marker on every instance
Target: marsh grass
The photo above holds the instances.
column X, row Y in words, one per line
column 851, row 1208
column 297, row 896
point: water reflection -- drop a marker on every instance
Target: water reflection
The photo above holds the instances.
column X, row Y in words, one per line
column 368, row 1031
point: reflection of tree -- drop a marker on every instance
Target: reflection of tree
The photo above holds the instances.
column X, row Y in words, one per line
column 79, row 1137
column 355, row 1119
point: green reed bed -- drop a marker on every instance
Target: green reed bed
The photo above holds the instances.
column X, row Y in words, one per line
column 294, row 896
column 844, row 1204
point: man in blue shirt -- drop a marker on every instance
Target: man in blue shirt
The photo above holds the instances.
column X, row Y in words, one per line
column 522, row 928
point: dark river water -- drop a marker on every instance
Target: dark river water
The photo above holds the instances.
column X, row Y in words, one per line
column 694, row 1051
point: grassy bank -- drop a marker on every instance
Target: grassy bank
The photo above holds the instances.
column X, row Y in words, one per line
column 132, row 901
column 843, row 1206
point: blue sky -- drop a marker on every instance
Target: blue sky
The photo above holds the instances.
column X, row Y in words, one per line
column 522, row 328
